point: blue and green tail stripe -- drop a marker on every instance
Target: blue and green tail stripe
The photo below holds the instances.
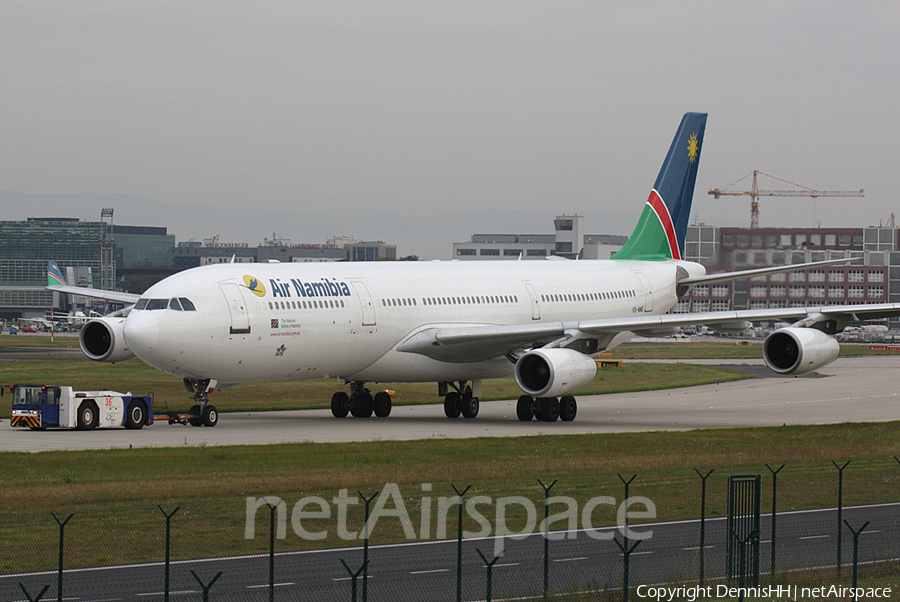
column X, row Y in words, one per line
column 54, row 275
column 661, row 229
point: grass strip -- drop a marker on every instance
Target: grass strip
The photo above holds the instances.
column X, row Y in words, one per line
column 114, row 493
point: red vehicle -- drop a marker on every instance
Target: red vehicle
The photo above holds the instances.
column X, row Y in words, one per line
column 28, row 329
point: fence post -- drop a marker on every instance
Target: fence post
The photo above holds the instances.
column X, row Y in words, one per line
column 365, row 593
column 272, row 508
column 626, row 552
column 840, row 509
column 856, row 535
column 459, row 530
column 62, row 530
column 627, row 483
column 774, row 497
column 703, row 521
column 168, row 543
column 547, row 489
column 353, row 578
column 490, row 569
column 208, row 586
column 39, row 596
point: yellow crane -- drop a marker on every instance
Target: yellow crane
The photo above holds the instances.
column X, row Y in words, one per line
column 754, row 193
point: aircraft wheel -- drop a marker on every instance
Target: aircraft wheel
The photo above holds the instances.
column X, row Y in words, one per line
column 88, row 416
column 210, row 415
column 568, row 407
column 469, row 406
column 523, row 408
column 362, row 406
column 549, row 409
column 137, row 415
column 340, row 404
column 451, row 404
column 382, row 404
column 196, row 419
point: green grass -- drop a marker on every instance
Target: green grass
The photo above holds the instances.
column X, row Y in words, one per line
column 114, row 493
column 135, row 376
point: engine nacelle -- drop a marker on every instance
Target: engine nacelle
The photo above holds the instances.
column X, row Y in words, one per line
column 103, row 340
column 799, row 350
column 553, row 372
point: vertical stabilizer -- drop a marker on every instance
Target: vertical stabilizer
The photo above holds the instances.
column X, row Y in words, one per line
column 660, row 231
column 54, row 275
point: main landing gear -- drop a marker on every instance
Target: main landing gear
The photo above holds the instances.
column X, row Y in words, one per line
column 548, row 409
column 360, row 403
column 202, row 412
column 459, row 401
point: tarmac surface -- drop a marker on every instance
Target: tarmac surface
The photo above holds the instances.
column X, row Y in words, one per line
column 855, row 389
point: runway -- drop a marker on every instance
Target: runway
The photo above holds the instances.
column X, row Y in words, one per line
column 856, row 389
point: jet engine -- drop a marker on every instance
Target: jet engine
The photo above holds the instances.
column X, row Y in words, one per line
column 552, row 372
column 799, row 350
column 103, row 340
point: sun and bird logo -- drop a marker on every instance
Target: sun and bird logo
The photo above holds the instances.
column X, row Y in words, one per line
column 255, row 286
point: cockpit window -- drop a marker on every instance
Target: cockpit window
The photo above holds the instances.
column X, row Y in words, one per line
column 141, row 304
column 186, row 304
column 174, row 304
column 158, row 304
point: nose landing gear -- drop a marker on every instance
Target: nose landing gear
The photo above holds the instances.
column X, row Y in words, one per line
column 202, row 412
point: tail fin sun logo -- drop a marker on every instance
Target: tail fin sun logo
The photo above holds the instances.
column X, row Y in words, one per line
column 255, row 286
column 693, row 147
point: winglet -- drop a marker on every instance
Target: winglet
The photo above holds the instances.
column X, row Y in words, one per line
column 54, row 275
column 662, row 227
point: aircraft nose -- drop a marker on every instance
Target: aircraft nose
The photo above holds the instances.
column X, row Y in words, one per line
column 141, row 332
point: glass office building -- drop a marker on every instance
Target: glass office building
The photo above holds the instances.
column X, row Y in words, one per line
column 27, row 246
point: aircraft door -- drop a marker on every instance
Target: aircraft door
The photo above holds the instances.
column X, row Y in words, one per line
column 365, row 300
column 240, row 315
column 648, row 291
column 535, row 307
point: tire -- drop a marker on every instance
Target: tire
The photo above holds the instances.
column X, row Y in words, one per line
column 362, row 407
column 523, row 408
column 382, row 403
column 549, row 409
column 451, row 405
column 568, row 407
column 88, row 416
column 469, row 406
column 136, row 416
column 197, row 420
column 210, row 415
column 340, row 405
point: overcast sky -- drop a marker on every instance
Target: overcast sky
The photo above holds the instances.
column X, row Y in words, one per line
column 427, row 107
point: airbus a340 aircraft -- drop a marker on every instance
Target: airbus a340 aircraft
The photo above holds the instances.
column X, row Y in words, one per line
column 454, row 323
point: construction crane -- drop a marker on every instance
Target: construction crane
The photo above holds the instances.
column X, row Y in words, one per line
column 754, row 193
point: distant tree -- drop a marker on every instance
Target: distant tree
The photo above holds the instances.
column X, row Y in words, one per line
column 409, row 258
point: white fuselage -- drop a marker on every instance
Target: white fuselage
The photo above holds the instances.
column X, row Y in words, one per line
column 264, row 322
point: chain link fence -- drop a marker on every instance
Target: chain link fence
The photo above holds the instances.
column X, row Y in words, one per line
column 459, row 541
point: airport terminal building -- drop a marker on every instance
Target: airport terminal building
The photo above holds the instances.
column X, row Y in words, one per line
column 873, row 278
column 569, row 240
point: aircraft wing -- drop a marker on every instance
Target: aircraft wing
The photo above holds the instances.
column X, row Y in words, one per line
column 96, row 293
column 56, row 282
column 476, row 343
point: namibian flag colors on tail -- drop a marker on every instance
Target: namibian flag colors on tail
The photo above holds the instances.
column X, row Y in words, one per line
column 660, row 232
column 54, row 275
